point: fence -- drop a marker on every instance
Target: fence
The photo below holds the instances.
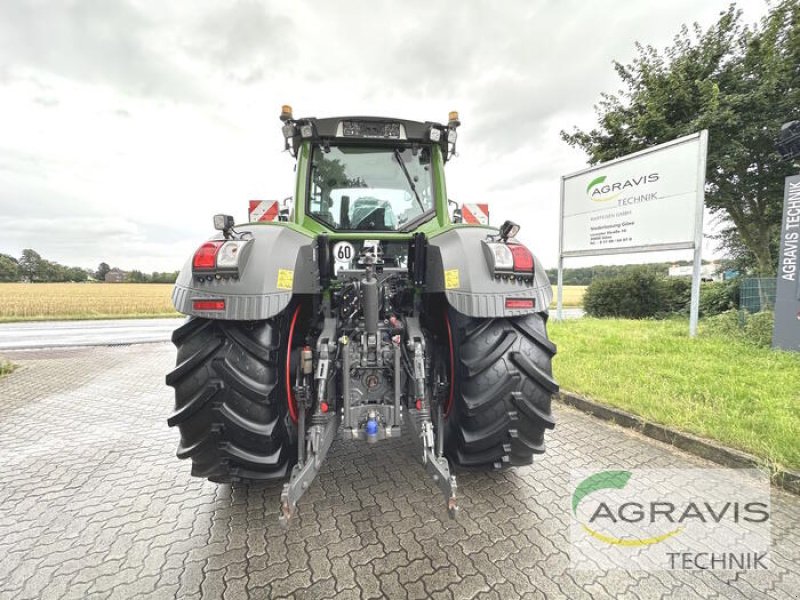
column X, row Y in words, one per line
column 757, row 294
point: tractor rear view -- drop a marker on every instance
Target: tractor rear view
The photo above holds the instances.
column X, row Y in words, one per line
column 366, row 309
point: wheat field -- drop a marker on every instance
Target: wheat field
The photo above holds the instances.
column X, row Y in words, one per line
column 40, row 301
column 573, row 296
column 44, row 301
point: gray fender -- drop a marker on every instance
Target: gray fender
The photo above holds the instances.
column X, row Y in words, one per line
column 456, row 266
column 280, row 264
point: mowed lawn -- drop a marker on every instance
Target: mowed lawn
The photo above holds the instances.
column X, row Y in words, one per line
column 742, row 395
column 45, row 301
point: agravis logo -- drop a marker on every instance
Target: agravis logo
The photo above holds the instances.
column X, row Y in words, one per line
column 668, row 516
column 666, row 519
column 600, row 191
column 611, row 480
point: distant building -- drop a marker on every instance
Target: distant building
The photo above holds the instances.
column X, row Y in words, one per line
column 115, row 276
column 708, row 272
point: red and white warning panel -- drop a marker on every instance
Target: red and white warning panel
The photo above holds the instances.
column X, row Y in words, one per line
column 263, row 210
column 475, row 214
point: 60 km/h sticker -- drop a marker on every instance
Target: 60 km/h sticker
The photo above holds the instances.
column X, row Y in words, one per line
column 343, row 252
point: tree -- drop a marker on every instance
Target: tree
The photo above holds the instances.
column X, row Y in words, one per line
column 30, row 264
column 76, row 274
column 102, row 271
column 739, row 82
column 136, row 276
column 9, row 268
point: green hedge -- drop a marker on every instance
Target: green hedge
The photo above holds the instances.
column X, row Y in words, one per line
column 641, row 294
column 637, row 295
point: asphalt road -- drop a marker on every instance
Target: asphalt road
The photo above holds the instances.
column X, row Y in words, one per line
column 62, row 334
column 54, row 334
column 94, row 504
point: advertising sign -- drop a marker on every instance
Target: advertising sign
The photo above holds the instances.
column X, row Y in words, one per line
column 787, row 291
column 647, row 201
column 642, row 200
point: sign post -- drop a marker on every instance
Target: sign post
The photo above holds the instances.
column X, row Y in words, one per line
column 647, row 201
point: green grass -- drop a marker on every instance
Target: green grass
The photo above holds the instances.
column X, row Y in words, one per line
column 5, row 367
column 731, row 391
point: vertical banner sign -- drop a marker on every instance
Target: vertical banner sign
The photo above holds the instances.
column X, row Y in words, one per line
column 647, row 201
column 787, row 291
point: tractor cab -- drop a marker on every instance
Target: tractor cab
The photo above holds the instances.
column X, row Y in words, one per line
column 369, row 174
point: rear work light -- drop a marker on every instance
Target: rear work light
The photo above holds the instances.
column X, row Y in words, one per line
column 205, row 258
column 205, row 304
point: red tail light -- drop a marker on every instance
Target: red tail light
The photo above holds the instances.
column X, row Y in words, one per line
column 208, row 304
column 520, row 302
column 206, row 255
column 523, row 259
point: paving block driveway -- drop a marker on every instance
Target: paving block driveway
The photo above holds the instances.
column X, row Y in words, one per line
column 94, row 504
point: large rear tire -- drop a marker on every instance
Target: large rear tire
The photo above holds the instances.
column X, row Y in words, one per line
column 502, row 389
column 230, row 399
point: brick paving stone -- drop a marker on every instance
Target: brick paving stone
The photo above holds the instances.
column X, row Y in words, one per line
column 94, row 504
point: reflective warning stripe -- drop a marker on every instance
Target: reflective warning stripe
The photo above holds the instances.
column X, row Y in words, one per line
column 475, row 214
column 263, row 210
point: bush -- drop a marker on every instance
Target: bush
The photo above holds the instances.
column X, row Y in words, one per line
column 755, row 328
column 728, row 324
column 718, row 297
column 758, row 328
column 677, row 295
column 635, row 295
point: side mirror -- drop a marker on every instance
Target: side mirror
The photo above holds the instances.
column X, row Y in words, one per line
column 457, row 216
column 285, row 213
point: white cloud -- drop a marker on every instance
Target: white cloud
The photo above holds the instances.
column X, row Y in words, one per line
column 125, row 125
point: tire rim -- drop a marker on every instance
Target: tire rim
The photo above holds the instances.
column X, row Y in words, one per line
column 449, row 404
column 290, row 399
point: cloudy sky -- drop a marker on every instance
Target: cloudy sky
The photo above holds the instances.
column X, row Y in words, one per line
column 125, row 125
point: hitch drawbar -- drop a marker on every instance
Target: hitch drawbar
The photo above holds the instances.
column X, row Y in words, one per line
column 321, row 435
column 314, row 443
column 432, row 453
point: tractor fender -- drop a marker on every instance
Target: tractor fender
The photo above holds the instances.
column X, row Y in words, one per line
column 280, row 263
column 456, row 265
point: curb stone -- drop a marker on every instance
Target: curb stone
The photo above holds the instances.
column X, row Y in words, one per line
column 787, row 479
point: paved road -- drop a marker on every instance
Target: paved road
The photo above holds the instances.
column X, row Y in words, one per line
column 52, row 334
column 61, row 334
column 93, row 504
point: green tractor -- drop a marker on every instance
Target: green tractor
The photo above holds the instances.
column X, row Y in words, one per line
column 368, row 308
